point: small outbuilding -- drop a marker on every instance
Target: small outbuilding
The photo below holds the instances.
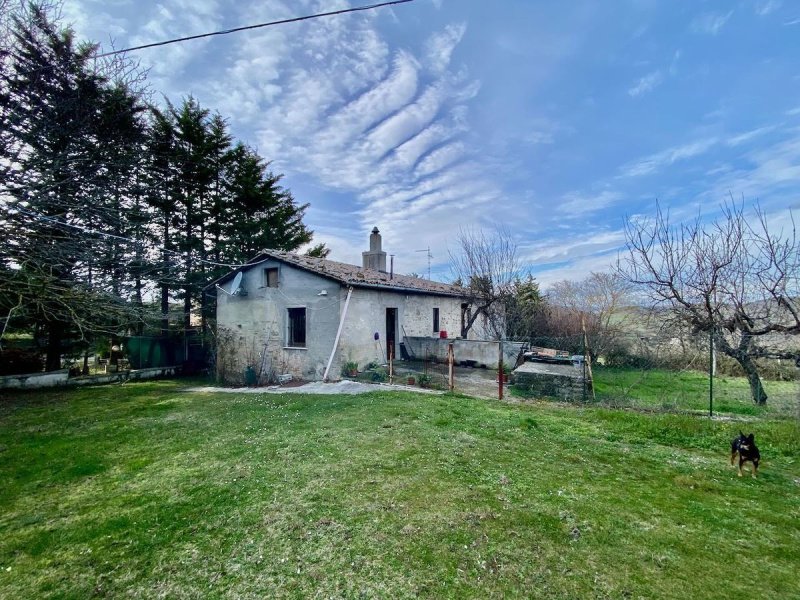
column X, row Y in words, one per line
column 290, row 314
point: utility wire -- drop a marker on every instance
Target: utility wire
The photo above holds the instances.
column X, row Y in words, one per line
column 257, row 26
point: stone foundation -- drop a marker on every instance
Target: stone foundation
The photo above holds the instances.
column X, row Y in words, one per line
column 562, row 382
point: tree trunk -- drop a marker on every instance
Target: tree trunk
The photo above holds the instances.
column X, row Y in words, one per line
column 164, row 310
column 756, row 389
column 741, row 354
column 55, row 333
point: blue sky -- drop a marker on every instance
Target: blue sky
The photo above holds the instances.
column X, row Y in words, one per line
column 555, row 120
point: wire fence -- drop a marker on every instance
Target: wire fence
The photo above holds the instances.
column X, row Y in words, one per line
column 644, row 372
column 673, row 373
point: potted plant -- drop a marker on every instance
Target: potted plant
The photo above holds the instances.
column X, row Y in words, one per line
column 411, row 380
column 424, row 380
column 350, row 369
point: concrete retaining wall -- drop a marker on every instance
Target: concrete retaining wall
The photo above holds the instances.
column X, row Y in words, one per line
column 35, row 380
column 61, row 378
column 467, row 352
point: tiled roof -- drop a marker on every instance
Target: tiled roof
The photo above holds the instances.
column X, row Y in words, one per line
column 357, row 276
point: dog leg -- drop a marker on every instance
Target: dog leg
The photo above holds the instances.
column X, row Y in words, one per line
column 740, row 465
column 755, row 470
column 733, row 456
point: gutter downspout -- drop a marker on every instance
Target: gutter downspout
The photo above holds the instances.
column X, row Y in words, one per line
column 338, row 333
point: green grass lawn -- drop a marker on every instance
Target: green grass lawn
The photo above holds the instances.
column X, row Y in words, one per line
column 688, row 390
column 143, row 491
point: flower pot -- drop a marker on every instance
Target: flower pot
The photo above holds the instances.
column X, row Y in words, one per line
column 411, row 381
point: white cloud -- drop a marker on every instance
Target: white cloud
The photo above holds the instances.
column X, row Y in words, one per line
column 439, row 47
column 771, row 173
column 748, row 135
column 673, row 65
column 646, row 84
column 440, row 158
column 577, row 204
column 765, row 7
column 577, row 269
column 99, row 25
column 710, row 23
column 553, row 250
column 655, row 162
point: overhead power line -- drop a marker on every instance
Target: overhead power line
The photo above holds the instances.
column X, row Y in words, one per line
column 257, row 26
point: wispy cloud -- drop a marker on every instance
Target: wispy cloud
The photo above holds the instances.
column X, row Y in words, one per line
column 550, row 251
column 747, row 136
column 439, row 47
column 769, row 172
column 390, row 137
column 577, row 204
column 766, row 7
column 655, row 162
column 710, row 23
column 577, row 268
column 646, row 84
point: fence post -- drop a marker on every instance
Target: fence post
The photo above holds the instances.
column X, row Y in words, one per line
column 500, row 370
column 711, row 372
column 583, row 343
column 450, row 367
column 391, row 361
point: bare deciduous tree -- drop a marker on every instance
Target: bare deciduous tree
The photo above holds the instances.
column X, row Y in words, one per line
column 737, row 280
column 488, row 266
column 594, row 303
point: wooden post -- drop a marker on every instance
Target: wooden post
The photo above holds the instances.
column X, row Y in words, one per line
column 450, row 366
column 500, row 370
column 587, row 363
column 711, row 373
column 391, row 361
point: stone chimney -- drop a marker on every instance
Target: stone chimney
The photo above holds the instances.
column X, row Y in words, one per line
column 375, row 258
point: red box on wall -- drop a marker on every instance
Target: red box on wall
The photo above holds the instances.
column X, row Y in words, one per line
column 443, row 334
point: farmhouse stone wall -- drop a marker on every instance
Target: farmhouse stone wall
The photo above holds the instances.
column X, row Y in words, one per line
column 252, row 328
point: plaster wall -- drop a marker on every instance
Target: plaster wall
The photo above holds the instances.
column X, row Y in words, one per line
column 253, row 329
column 367, row 316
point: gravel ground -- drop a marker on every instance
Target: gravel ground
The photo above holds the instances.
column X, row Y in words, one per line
column 317, row 387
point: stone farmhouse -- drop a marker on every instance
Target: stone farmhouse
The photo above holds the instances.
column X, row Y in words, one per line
column 285, row 313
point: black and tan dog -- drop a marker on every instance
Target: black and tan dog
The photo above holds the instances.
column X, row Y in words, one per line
column 745, row 446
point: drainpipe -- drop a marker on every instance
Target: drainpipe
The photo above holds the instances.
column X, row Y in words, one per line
column 338, row 333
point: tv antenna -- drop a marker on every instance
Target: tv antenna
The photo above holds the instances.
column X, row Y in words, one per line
column 430, row 256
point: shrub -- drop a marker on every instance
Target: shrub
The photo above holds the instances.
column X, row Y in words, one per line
column 14, row 361
column 622, row 357
column 350, row 369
